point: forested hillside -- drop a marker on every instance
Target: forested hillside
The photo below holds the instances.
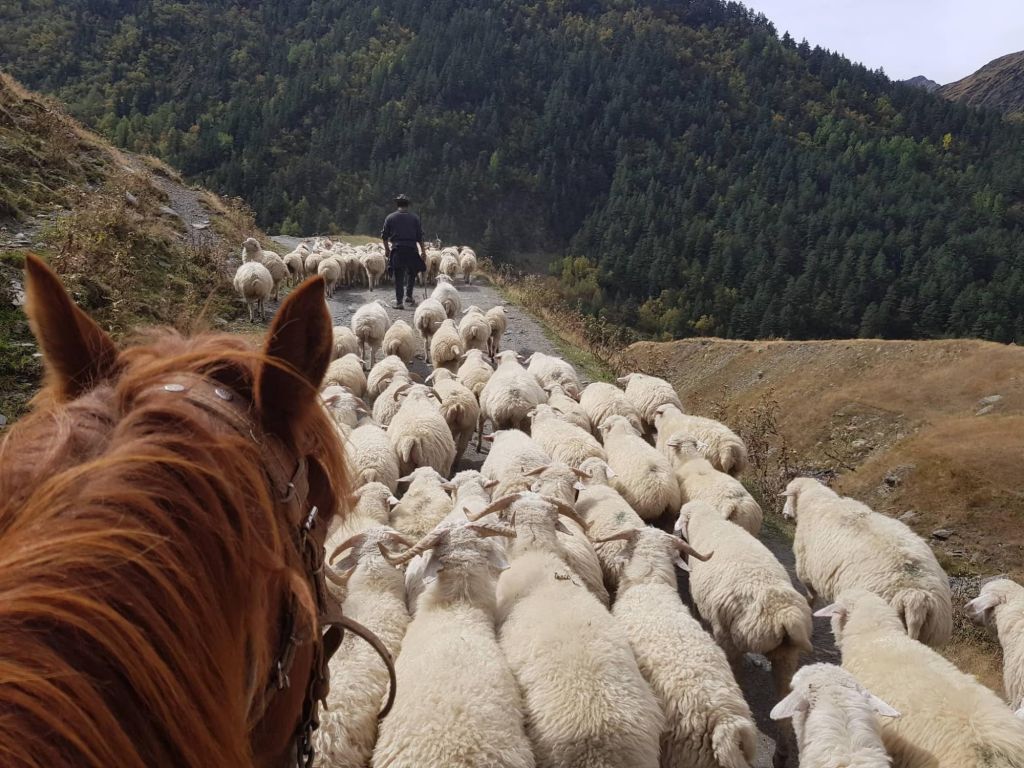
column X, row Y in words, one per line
column 702, row 175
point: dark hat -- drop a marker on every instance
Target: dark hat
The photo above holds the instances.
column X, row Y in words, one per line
column 401, row 200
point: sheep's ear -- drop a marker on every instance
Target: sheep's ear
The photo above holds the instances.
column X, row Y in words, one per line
column 831, row 610
column 560, row 527
column 392, row 501
column 794, row 703
column 682, row 564
column 433, row 567
column 298, row 351
column 497, row 559
column 77, row 352
column 880, row 706
column 578, row 486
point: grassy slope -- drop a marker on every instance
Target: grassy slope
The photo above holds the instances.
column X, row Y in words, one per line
column 94, row 213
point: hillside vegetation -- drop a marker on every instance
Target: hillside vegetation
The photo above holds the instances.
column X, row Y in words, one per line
column 703, row 175
column 99, row 215
column 998, row 85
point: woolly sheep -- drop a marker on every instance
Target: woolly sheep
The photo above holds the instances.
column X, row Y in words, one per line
column 606, row 513
column 278, row 271
column 719, row 444
column 835, row 719
column 586, row 703
column 1001, row 603
column 509, row 395
column 312, row 262
column 459, row 408
column 424, row 504
column 400, row 340
column 295, row 261
column 644, row 476
column 499, row 323
column 344, row 407
column 841, row 544
column 345, row 342
column 647, row 393
column 446, row 346
column 433, row 262
column 428, row 318
column 419, row 432
column 254, row 284
column 601, row 400
column 358, row 678
column 371, row 508
column 474, row 372
column 371, row 457
column 948, row 719
column 375, row 267
column 549, row 369
column 330, row 270
column 745, row 593
column 708, row 723
column 382, row 374
column 513, row 453
column 569, row 407
column 467, row 263
column 474, row 330
column 448, row 295
column 387, row 403
column 449, row 265
column 253, row 251
column 700, row 481
column 347, row 371
column 457, row 705
column 369, row 323
column 562, row 440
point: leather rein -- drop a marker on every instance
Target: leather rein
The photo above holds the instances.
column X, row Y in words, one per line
column 288, row 477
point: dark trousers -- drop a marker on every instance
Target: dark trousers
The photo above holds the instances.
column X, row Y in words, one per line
column 404, row 276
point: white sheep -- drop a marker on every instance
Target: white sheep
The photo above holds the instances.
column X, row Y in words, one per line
column 428, row 318
column 330, row 270
column 253, row 251
column 586, row 703
column 474, row 372
column 569, row 407
column 345, row 342
column 549, row 369
column 420, row 433
column 458, row 705
column 446, row 347
column 458, row 406
column 448, row 295
column 509, row 395
column 371, row 457
column 647, row 393
column 424, row 504
column 254, row 284
column 296, row 263
column 719, row 444
column 474, row 329
column 278, row 271
column 312, row 262
column 841, row 544
column 513, row 453
column 369, row 323
column 700, row 481
column 382, row 374
column 433, row 262
column 467, row 263
column 948, row 719
column 375, row 267
column 347, row 371
column 499, row 323
column 1001, row 603
column 449, row 265
column 344, row 407
column 745, row 593
column 387, row 403
column 562, row 440
column 644, row 476
column 371, row 508
column 707, row 722
column 835, row 719
column 358, row 678
column 400, row 340
column 601, row 400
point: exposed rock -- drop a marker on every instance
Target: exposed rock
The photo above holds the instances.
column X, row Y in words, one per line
column 987, row 409
column 21, row 239
column 990, row 400
column 168, row 211
column 907, row 516
column 131, row 199
column 942, row 534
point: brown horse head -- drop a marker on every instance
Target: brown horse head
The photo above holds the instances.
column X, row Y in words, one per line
column 150, row 536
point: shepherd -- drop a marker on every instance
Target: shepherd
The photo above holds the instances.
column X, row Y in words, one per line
column 403, row 246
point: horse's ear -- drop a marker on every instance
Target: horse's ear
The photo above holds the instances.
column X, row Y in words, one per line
column 301, row 339
column 77, row 352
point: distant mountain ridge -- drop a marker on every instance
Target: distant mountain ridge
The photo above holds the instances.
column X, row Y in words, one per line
column 923, row 82
column 998, row 85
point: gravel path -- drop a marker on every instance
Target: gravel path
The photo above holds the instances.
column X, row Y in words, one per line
column 526, row 335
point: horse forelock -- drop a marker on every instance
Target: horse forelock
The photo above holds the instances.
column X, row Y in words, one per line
column 143, row 565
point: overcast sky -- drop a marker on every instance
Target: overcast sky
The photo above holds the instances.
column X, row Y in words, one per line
column 944, row 40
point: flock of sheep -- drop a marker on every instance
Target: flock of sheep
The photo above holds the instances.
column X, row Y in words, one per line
column 262, row 273
column 532, row 606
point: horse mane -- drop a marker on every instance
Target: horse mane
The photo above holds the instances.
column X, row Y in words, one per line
column 143, row 567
